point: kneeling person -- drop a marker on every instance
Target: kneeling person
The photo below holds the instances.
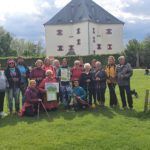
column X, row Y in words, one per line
column 79, row 96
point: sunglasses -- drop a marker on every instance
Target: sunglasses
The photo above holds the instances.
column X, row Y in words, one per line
column 11, row 63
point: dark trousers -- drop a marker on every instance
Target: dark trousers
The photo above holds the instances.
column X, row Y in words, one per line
column 112, row 94
column 126, row 89
column 2, row 95
column 101, row 95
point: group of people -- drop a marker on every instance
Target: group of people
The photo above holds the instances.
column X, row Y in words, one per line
column 85, row 86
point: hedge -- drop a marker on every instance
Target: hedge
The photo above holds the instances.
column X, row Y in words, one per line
column 87, row 59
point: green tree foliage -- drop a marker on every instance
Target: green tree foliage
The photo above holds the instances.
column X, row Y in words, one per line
column 5, row 41
column 133, row 51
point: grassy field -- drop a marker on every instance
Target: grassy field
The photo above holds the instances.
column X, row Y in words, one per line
column 97, row 129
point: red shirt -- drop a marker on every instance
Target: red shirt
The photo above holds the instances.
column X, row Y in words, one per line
column 76, row 73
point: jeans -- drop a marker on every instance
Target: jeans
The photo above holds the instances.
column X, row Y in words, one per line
column 66, row 93
column 13, row 93
column 126, row 89
column 2, row 95
column 23, row 88
column 101, row 95
column 112, row 94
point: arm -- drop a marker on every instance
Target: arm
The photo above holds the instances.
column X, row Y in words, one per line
column 42, row 87
column 129, row 72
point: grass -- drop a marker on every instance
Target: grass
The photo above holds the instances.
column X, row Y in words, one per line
column 97, row 129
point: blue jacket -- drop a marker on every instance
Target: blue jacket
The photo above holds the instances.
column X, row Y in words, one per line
column 80, row 92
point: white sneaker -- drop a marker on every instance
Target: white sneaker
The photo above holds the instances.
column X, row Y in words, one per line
column 3, row 114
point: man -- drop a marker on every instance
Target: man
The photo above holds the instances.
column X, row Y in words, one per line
column 124, row 72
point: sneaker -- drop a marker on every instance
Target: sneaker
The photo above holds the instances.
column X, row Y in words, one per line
column 3, row 114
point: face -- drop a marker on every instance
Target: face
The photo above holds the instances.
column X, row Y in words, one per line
column 122, row 61
column 76, row 83
column 33, row 84
column 39, row 64
column 98, row 66
column 64, row 63
column 110, row 61
column 93, row 62
column 11, row 64
column 20, row 61
column 47, row 62
column 87, row 68
column 57, row 64
column 49, row 74
column 77, row 65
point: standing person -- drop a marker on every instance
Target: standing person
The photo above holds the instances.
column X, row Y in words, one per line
column 25, row 72
column 48, row 65
column 13, row 76
column 111, row 80
column 56, row 65
column 100, row 77
column 124, row 72
column 93, row 85
column 65, row 88
column 86, row 82
column 37, row 73
column 76, row 71
column 3, row 86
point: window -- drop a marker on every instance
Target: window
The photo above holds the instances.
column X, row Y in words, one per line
column 71, row 47
column 59, row 32
column 99, row 46
column 78, row 31
column 109, row 46
column 60, row 48
column 78, row 42
column 93, row 39
column 108, row 31
column 93, row 30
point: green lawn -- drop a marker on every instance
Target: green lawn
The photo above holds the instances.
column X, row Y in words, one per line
column 97, row 129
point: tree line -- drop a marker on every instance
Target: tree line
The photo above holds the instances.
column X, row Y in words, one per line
column 136, row 52
column 12, row 46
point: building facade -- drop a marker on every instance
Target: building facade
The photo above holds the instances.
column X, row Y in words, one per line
column 83, row 28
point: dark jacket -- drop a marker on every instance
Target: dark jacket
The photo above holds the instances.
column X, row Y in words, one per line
column 102, row 75
column 84, row 77
column 13, row 84
column 124, row 72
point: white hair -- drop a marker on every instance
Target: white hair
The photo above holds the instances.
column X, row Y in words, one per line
column 87, row 65
column 121, row 57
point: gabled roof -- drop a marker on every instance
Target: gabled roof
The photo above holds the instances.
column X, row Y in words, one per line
column 83, row 10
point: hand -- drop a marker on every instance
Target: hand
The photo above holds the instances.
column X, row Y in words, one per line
column 98, row 79
column 88, row 80
column 39, row 100
column 122, row 76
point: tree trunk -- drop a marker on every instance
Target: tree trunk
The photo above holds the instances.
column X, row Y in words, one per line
column 137, row 60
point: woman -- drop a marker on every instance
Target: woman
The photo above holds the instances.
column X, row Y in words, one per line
column 3, row 86
column 124, row 72
column 37, row 73
column 100, row 77
column 30, row 106
column 56, row 64
column 48, row 79
column 111, row 80
column 13, row 76
column 86, row 82
column 79, row 96
column 48, row 66
column 25, row 72
column 76, row 71
column 64, row 80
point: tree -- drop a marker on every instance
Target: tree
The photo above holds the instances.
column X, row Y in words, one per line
column 133, row 51
column 5, row 41
column 146, row 50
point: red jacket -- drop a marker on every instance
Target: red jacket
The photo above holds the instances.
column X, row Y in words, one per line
column 76, row 73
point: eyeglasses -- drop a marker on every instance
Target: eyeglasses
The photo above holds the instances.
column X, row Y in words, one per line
column 11, row 63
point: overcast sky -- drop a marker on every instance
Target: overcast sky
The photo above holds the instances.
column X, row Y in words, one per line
column 25, row 18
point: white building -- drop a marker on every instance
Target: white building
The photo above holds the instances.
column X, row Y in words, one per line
column 82, row 28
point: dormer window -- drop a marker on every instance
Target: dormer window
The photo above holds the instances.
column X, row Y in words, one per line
column 59, row 32
column 108, row 31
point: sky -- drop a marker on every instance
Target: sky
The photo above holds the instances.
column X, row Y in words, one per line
column 25, row 18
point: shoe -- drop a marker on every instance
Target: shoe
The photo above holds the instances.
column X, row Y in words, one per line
column 3, row 114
